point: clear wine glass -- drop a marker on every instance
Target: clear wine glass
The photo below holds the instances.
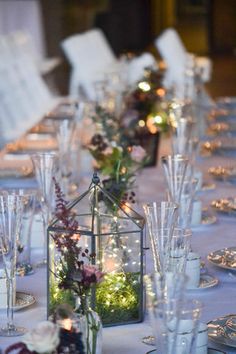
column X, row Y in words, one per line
column 11, row 206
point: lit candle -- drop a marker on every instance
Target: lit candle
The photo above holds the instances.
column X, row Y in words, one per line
column 66, row 323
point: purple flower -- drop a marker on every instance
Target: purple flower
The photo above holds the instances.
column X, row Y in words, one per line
column 137, row 153
column 91, row 275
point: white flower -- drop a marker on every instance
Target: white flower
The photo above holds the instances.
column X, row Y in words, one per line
column 113, row 143
column 42, row 339
column 137, row 153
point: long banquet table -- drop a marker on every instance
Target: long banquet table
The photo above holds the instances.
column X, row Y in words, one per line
column 218, row 301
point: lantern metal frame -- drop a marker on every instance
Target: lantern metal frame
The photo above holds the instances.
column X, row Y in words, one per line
column 94, row 192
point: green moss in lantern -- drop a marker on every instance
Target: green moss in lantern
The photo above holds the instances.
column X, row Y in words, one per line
column 118, row 298
column 59, row 297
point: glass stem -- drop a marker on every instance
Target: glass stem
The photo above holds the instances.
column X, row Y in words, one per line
column 45, row 216
column 28, row 241
column 10, row 303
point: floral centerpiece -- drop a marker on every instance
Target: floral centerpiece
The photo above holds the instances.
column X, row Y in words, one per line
column 102, row 240
column 147, row 100
column 116, row 159
column 146, row 113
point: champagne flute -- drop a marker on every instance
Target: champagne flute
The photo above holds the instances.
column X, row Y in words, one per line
column 11, row 206
column 45, row 169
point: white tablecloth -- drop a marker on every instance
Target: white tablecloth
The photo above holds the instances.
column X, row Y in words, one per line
column 218, row 301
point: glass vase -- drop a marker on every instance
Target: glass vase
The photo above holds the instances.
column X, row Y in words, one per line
column 90, row 325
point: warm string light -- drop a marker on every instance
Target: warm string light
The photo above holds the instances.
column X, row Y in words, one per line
column 144, row 86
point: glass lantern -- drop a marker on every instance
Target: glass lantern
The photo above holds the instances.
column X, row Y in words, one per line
column 114, row 233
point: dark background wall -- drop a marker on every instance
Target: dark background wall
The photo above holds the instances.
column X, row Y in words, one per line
column 127, row 24
column 205, row 26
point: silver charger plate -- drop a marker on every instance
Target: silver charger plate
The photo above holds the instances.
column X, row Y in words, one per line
column 226, row 144
column 220, row 332
column 223, row 145
column 208, row 187
column 223, row 173
column 224, row 258
column 226, row 206
column 23, row 300
column 206, row 281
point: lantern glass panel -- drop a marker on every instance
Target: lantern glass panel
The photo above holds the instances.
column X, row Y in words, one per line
column 115, row 234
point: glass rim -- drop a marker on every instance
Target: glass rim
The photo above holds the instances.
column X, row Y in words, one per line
column 170, row 204
column 186, row 231
column 178, row 157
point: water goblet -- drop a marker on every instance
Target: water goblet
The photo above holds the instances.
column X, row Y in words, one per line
column 45, row 167
column 11, row 206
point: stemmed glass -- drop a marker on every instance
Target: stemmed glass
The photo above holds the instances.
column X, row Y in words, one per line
column 160, row 216
column 186, row 202
column 175, row 168
column 188, row 325
column 182, row 132
column 45, row 167
column 174, row 320
column 11, row 206
column 166, row 287
column 64, row 129
column 24, row 266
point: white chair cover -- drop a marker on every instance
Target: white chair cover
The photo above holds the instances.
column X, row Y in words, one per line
column 92, row 60
column 178, row 60
column 90, row 57
column 24, row 97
